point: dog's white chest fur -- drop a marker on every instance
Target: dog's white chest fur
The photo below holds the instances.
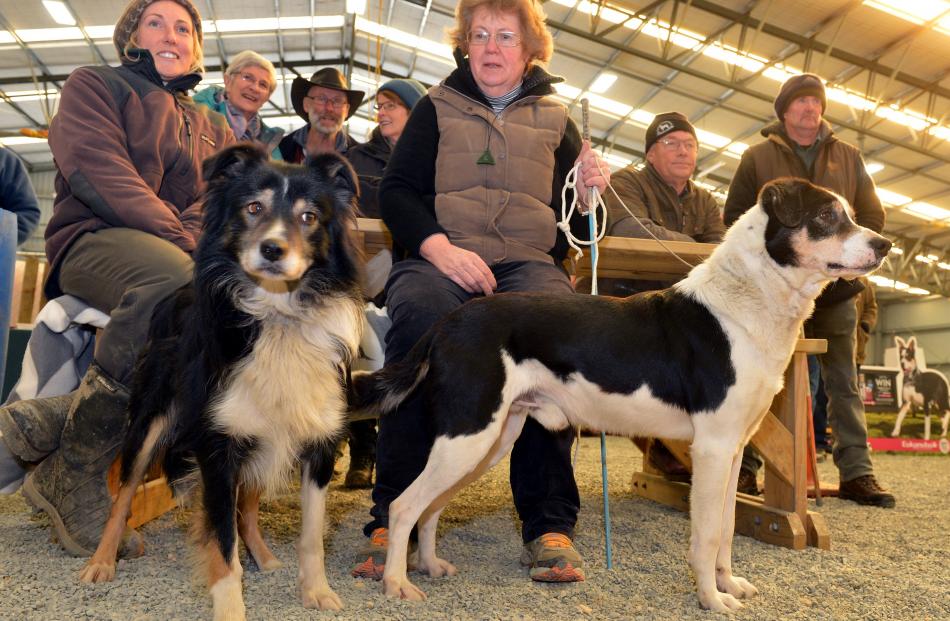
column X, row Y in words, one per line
column 288, row 391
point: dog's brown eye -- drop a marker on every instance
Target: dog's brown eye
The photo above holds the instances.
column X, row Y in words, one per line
column 308, row 217
column 254, row 208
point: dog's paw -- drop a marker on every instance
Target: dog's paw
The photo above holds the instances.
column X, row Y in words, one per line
column 736, row 586
column 232, row 611
column 403, row 589
column 270, row 564
column 719, row 602
column 437, row 567
column 323, row 598
column 97, row 571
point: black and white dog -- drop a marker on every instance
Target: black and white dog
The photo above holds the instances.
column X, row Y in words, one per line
column 701, row 361
column 243, row 374
column 925, row 389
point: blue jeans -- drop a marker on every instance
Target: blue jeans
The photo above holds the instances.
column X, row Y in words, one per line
column 542, row 479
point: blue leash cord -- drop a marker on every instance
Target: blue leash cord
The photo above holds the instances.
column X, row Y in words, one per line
column 592, row 222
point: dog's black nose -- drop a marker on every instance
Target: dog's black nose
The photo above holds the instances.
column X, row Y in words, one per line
column 271, row 250
column 881, row 246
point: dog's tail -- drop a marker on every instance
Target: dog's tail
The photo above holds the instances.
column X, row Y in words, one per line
column 375, row 394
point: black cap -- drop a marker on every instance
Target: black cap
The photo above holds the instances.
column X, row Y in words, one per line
column 665, row 123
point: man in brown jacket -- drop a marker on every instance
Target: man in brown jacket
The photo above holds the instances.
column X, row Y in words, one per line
column 866, row 312
column 668, row 206
column 802, row 144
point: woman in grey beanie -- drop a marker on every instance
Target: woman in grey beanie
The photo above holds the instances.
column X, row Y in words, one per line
column 394, row 101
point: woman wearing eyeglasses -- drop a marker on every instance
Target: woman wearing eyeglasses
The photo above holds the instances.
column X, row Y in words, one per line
column 394, row 101
column 248, row 83
column 471, row 196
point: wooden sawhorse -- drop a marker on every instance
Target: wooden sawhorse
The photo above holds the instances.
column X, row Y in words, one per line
column 781, row 516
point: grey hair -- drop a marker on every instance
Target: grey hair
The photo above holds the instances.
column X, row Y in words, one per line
column 249, row 58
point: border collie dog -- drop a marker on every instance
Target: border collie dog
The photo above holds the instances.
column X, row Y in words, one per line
column 243, row 374
column 700, row 362
column 925, row 389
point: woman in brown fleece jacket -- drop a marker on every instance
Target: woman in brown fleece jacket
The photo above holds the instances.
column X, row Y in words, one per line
column 128, row 144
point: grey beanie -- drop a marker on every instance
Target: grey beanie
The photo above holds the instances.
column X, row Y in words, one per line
column 664, row 123
column 129, row 22
column 799, row 86
column 409, row 91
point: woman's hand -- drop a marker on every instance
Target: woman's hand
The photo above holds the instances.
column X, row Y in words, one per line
column 594, row 172
column 463, row 267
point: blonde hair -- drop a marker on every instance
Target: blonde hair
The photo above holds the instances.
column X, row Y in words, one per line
column 250, row 58
column 535, row 38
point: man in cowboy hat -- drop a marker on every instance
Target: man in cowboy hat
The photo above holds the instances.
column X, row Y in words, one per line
column 324, row 102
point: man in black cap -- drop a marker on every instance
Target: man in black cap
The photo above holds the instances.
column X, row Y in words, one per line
column 802, row 144
column 324, row 102
column 668, row 206
column 661, row 195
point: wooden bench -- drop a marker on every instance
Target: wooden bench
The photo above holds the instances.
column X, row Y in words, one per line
column 781, row 515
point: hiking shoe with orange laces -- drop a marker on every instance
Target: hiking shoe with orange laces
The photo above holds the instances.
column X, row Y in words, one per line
column 371, row 559
column 552, row 558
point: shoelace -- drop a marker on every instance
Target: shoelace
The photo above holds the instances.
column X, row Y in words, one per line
column 555, row 540
column 380, row 537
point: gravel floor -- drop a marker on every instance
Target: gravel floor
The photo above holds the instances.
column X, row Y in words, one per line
column 884, row 564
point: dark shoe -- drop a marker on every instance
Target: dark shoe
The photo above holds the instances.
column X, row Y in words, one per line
column 866, row 491
column 663, row 460
column 70, row 485
column 360, row 474
column 32, row 427
column 747, row 483
column 553, row 558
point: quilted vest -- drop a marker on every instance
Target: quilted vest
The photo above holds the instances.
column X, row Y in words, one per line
column 500, row 211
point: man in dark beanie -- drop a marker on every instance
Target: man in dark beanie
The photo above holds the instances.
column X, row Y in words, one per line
column 802, row 144
column 668, row 206
column 800, row 86
column 662, row 196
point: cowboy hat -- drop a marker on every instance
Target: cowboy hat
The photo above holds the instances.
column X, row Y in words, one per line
column 328, row 77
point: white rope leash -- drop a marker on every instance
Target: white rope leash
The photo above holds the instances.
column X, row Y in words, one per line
column 597, row 212
column 600, row 222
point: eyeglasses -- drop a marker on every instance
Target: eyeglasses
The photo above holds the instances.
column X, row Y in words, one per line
column 335, row 102
column 387, row 106
column 675, row 145
column 248, row 79
column 503, row 38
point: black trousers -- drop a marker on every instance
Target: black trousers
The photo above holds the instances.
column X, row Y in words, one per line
column 542, row 479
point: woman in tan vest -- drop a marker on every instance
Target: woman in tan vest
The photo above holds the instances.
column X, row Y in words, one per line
column 471, row 195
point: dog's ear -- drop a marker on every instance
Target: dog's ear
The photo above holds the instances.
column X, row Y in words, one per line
column 899, row 342
column 337, row 170
column 912, row 343
column 227, row 162
column 782, row 198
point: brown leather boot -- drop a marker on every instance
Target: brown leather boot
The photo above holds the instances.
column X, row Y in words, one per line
column 866, row 491
column 32, row 427
column 70, row 484
column 663, row 460
column 748, row 484
column 360, row 473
